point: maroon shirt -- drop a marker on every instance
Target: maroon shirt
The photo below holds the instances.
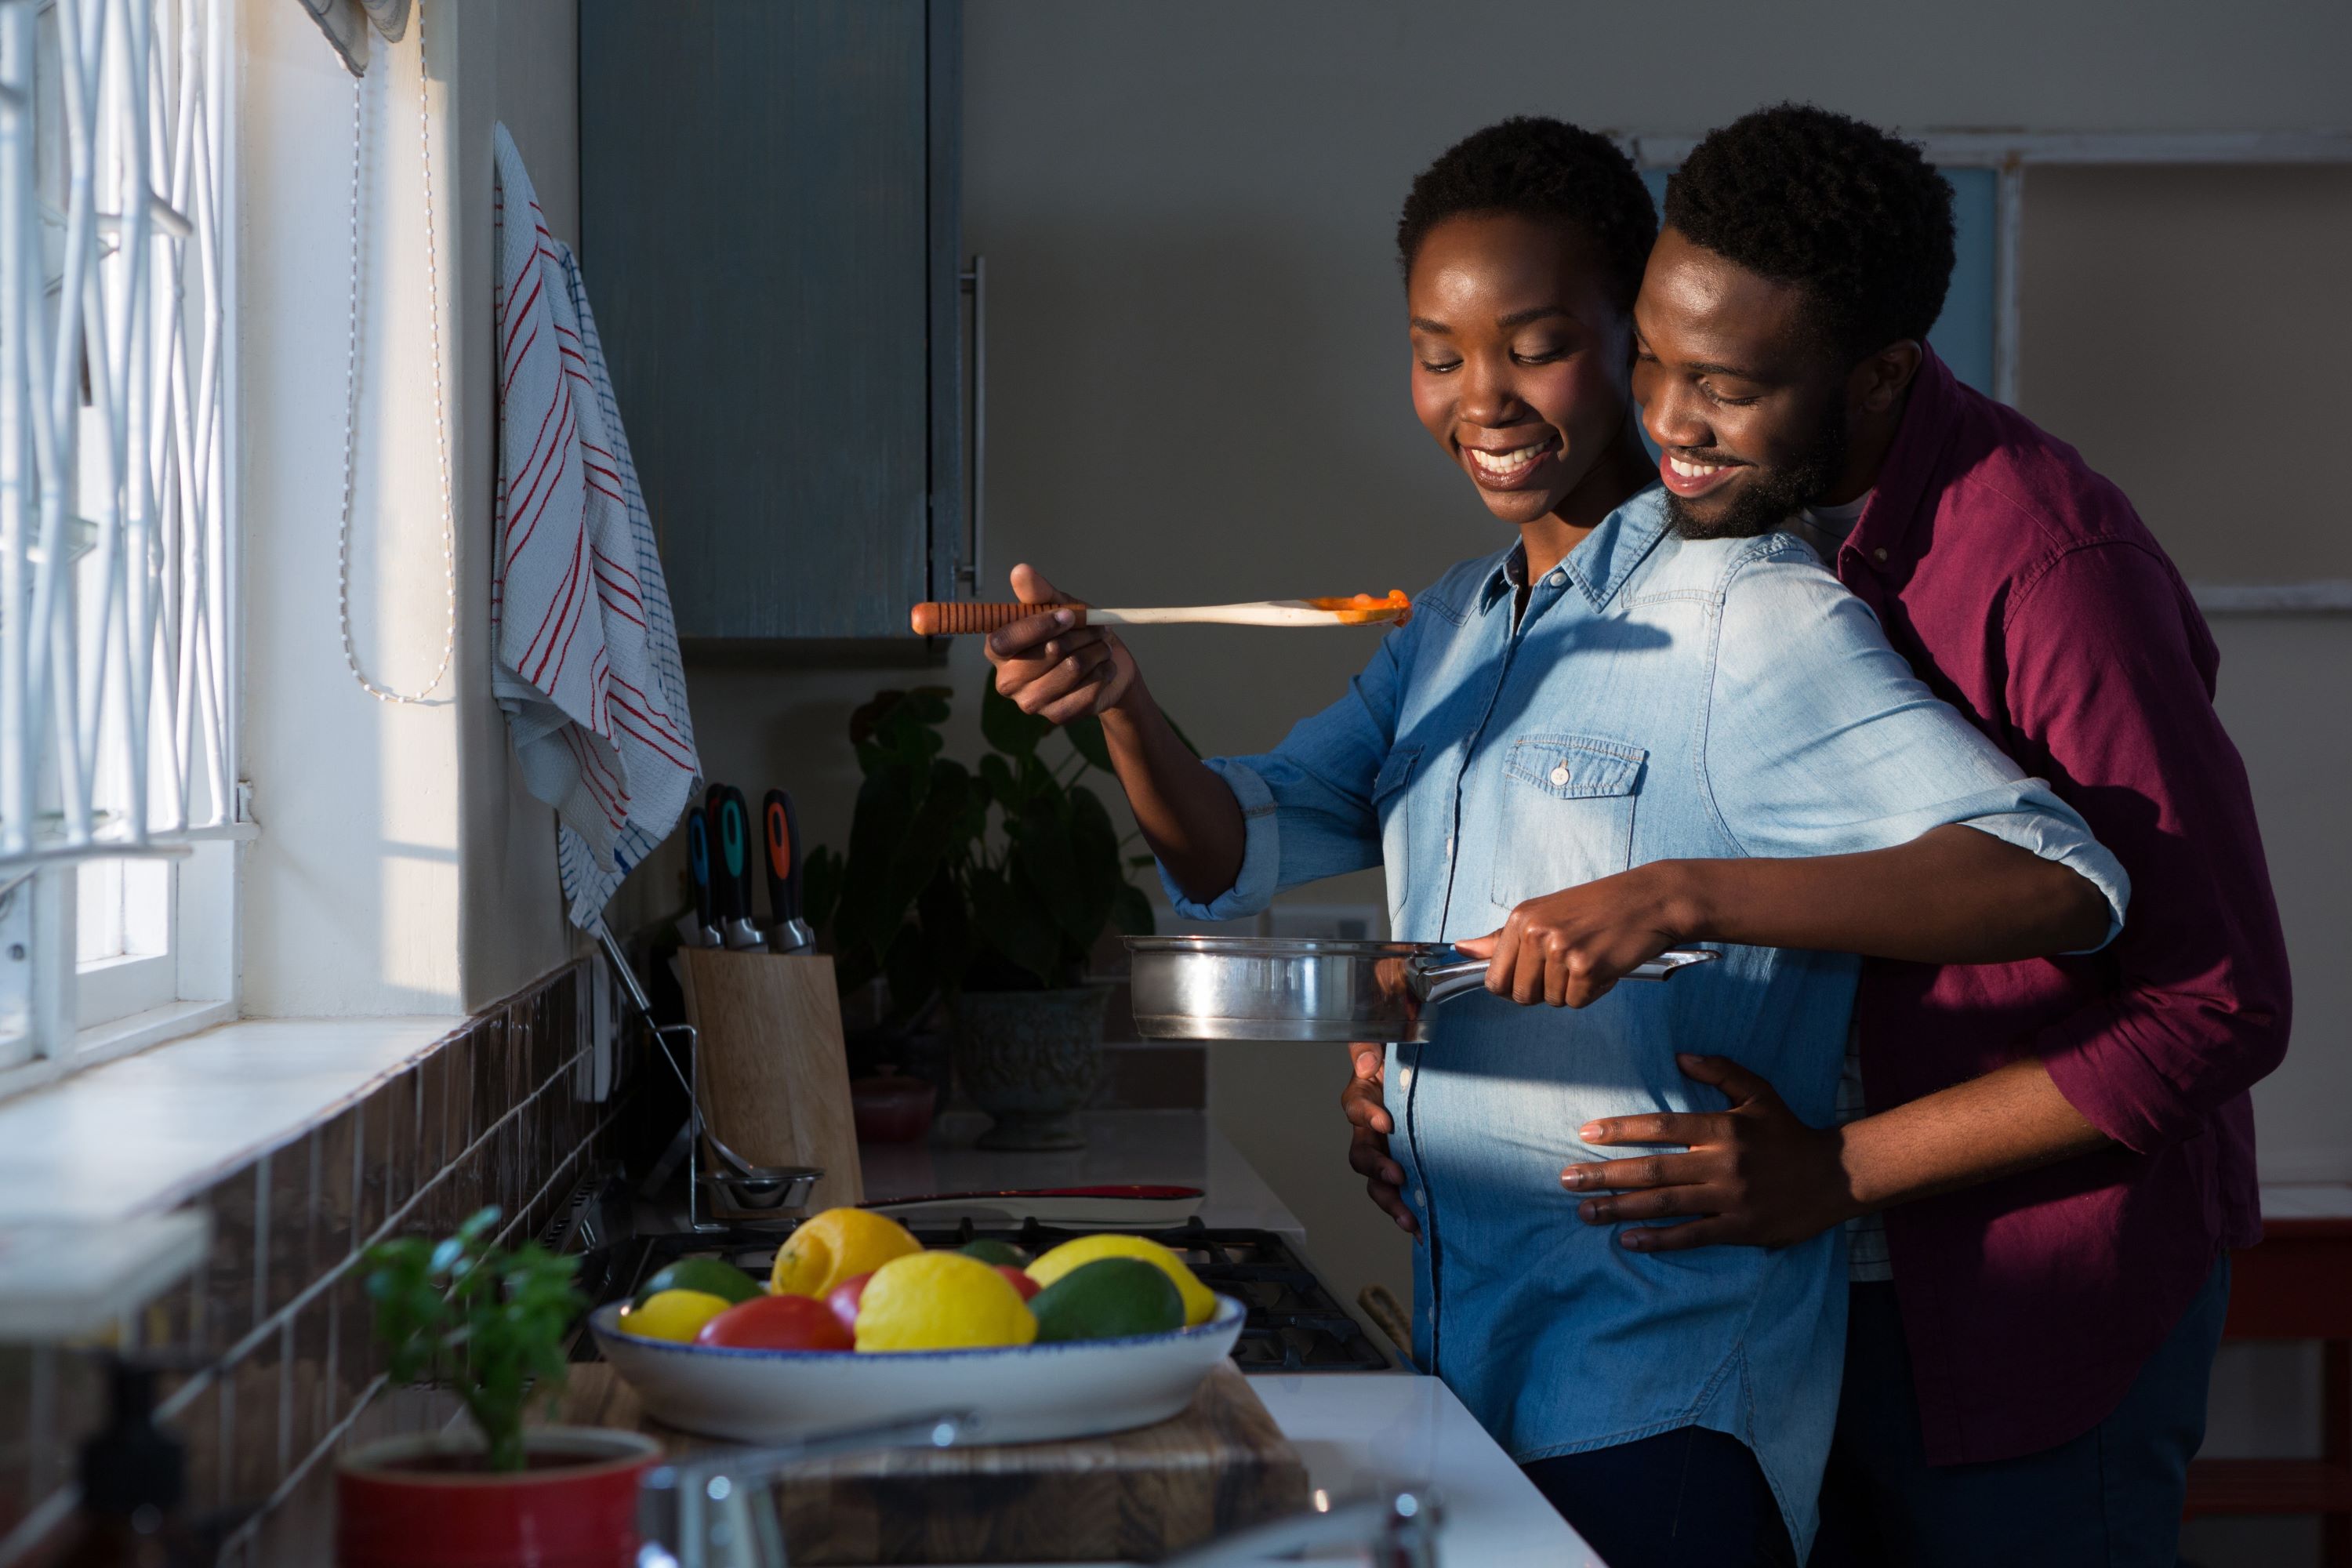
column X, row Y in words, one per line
column 2024, row 589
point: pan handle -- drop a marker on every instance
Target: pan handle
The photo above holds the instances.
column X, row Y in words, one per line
column 1440, row 980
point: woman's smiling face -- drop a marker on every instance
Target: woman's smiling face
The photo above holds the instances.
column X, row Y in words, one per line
column 1521, row 358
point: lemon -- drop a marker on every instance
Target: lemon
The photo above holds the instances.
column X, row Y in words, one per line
column 941, row 1301
column 673, row 1314
column 1200, row 1306
column 837, row 1244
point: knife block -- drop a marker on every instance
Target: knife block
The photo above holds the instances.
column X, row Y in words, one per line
column 772, row 1070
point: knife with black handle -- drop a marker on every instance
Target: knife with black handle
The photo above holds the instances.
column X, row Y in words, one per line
column 697, row 861
column 731, row 872
column 781, row 824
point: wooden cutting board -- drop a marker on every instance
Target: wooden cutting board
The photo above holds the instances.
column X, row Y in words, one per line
column 1220, row 1466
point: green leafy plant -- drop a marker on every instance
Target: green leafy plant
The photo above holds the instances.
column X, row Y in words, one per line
column 1001, row 877
column 487, row 1322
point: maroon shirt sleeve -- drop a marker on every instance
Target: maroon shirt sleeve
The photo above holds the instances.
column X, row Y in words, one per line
column 2120, row 705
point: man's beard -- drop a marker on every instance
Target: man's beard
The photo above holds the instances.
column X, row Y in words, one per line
column 1769, row 497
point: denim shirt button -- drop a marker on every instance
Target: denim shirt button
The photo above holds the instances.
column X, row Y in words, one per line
column 1560, row 773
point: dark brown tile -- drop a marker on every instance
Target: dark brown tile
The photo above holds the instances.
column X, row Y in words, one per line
column 431, row 1115
column 292, row 1172
column 522, row 1033
column 309, row 1349
column 377, row 1125
column 405, row 1163
column 488, row 1040
column 254, row 1390
column 457, row 1092
column 353, row 1357
column 335, row 1154
column 507, row 1166
column 229, row 1309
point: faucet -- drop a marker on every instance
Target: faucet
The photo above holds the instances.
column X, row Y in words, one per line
column 717, row 1508
column 1396, row 1527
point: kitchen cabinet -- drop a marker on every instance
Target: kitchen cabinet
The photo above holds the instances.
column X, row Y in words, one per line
column 769, row 234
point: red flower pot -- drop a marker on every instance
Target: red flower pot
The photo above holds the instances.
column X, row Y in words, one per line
column 419, row 1502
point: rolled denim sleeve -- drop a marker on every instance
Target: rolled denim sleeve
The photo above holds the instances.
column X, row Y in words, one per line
column 1821, row 741
column 1306, row 806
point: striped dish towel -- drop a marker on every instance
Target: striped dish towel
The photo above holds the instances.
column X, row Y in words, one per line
column 587, row 664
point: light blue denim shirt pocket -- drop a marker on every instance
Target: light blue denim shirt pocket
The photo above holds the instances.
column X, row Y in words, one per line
column 1568, row 813
column 1393, row 803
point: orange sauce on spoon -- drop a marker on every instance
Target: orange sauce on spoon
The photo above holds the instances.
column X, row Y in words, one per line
column 1362, row 609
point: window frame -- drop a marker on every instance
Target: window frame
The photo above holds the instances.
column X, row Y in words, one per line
column 58, row 1014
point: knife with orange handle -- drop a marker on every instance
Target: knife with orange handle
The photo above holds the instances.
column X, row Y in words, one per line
column 933, row 619
column 781, row 826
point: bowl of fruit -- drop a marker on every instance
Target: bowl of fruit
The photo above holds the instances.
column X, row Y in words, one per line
column 859, row 1323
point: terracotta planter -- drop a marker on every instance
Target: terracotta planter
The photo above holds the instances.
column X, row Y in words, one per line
column 1031, row 1060
column 406, row 1502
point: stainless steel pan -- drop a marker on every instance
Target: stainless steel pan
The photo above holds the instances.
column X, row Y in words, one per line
column 1268, row 988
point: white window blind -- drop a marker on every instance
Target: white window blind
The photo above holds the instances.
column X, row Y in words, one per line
column 117, row 573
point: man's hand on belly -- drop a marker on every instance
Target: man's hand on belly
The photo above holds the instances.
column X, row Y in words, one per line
column 1367, row 1148
column 1751, row 1176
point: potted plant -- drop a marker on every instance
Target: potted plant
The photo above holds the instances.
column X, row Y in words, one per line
column 488, row 1324
column 984, row 890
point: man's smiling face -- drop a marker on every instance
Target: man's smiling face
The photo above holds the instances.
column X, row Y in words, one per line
column 1740, row 391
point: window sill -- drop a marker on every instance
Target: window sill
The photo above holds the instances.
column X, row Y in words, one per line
column 143, row 1134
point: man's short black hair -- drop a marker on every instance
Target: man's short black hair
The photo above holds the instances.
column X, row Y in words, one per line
column 1540, row 168
column 1857, row 217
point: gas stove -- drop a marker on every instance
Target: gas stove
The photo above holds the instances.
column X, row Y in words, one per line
column 1293, row 1323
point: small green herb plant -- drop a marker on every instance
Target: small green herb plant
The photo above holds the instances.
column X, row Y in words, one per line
column 1001, row 877
column 487, row 1322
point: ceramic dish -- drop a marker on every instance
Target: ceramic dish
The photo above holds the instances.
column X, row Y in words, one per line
column 1032, row 1394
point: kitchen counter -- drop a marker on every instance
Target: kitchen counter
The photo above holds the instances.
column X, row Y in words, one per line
column 1357, row 1431
column 1354, row 1430
column 1175, row 1147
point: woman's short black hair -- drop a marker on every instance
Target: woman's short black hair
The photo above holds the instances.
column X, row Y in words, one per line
column 1855, row 217
column 1542, row 168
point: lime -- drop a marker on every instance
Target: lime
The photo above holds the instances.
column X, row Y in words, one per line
column 989, row 1250
column 1109, row 1299
column 673, row 1314
column 711, row 1276
column 938, row 1301
column 834, row 1245
column 1200, row 1306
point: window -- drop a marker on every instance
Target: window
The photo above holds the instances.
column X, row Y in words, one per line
column 117, row 573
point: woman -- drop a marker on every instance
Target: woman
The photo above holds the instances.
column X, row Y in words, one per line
column 1599, row 742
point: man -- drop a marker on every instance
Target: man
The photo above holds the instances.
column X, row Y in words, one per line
column 2063, row 1149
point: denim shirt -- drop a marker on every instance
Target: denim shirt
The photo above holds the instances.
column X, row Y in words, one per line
column 1658, row 699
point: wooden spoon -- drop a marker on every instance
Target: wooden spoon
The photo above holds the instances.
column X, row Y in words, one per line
column 933, row 618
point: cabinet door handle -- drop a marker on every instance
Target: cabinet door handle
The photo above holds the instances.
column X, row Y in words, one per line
column 974, row 278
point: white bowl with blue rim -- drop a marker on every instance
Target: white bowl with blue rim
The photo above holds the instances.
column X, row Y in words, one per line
column 1019, row 1394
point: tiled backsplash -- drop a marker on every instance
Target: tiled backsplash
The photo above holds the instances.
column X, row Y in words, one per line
column 275, row 1328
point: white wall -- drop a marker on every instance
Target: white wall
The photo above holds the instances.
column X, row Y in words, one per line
column 400, row 869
